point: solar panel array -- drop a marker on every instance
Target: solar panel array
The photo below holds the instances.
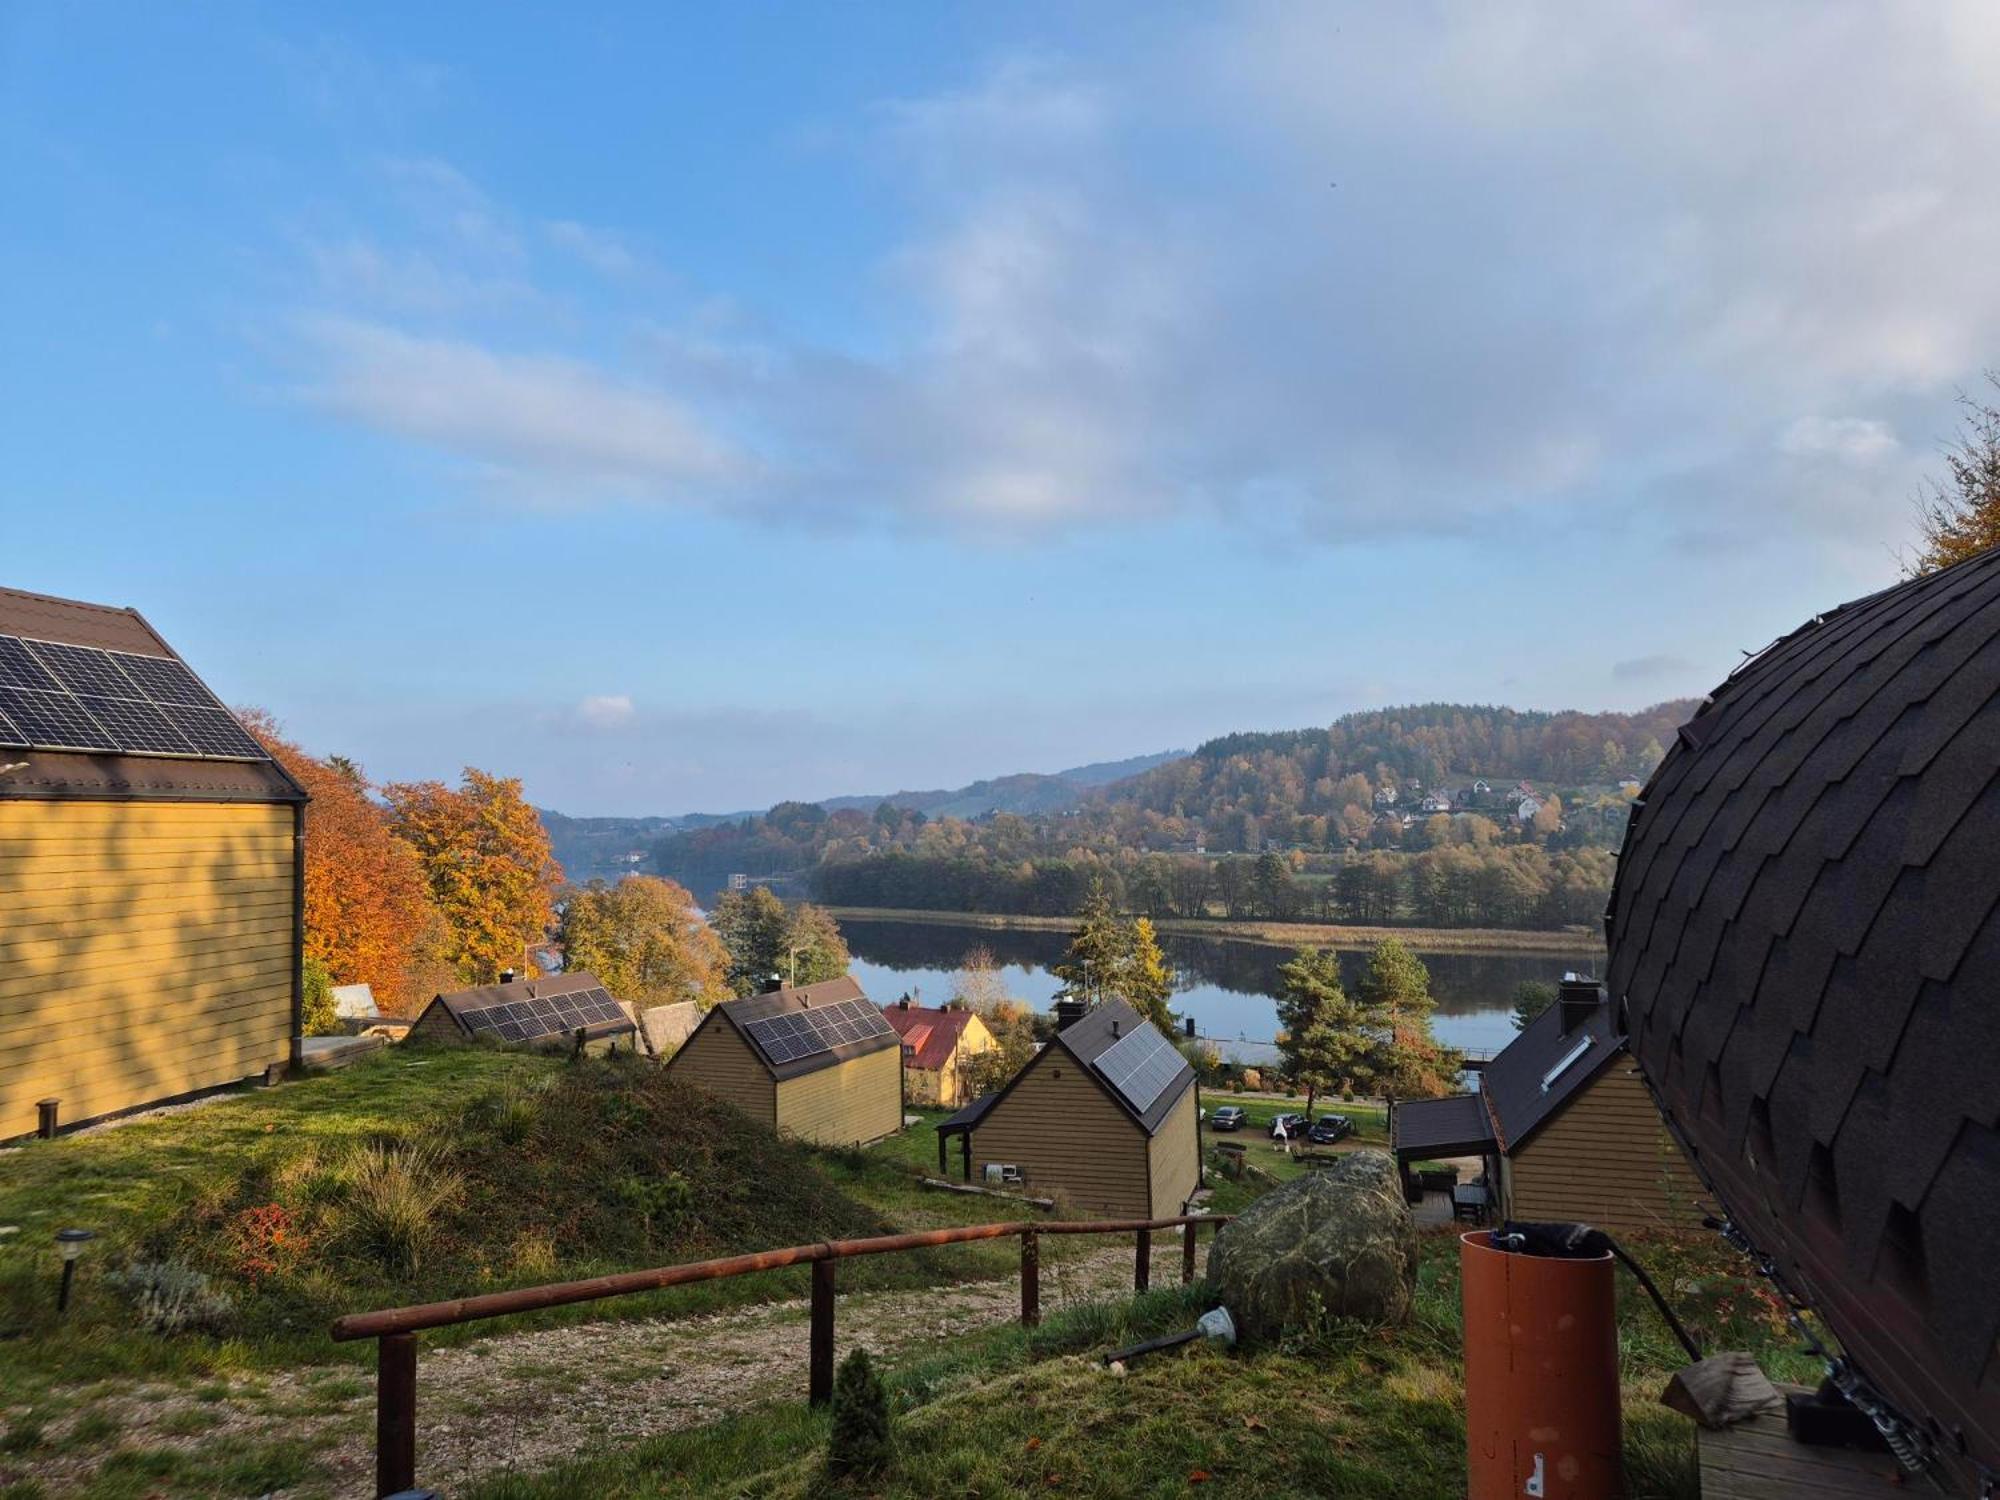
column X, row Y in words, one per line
column 549, row 1015
column 807, row 1033
column 55, row 696
column 1140, row 1065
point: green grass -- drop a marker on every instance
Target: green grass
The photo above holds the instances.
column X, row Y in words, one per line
column 1347, row 1411
column 558, row 1168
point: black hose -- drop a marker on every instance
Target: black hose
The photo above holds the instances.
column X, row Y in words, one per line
column 1575, row 1241
column 1681, row 1333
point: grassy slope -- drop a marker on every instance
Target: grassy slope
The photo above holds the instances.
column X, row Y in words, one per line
column 1576, row 941
column 1341, row 1412
column 555, row 1163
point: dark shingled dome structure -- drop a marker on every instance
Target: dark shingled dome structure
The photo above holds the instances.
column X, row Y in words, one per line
column 1805, row 940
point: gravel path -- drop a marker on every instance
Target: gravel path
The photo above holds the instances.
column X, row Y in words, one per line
column 530, row 1400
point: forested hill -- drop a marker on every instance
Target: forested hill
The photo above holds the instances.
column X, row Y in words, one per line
column 1325, row 772
column 1448, row 814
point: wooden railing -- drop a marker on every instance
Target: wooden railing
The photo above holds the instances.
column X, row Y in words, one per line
column 395, row 1329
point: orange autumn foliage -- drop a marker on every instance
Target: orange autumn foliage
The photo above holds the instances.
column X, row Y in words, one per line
column 368, row 917
column 486, row 858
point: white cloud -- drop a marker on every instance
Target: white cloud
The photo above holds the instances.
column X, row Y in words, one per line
column 606, row 710
column 599, row 249
column 1379, row 273
column 553, row 423
column 1853, row 439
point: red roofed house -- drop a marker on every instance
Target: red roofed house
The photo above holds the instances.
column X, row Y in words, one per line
column 935, row 1044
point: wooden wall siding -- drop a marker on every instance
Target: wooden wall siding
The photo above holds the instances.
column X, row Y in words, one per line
column 1606, row 1160
column 1067, row 1136
column 715, row 1058
column 146, row 951
column 435, row 1022
column 1174, row 1158
column 849, row 1103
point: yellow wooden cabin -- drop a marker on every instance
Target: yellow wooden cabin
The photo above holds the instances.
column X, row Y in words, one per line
column 1565, row 1126
column 817, row 1062
column 547, row 1010
column 150, row 874
column 1105, row 1115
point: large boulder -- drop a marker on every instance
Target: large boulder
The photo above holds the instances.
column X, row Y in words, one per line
column 1337, row 1242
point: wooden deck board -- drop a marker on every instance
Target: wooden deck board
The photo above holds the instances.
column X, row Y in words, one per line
column 1757, row 1460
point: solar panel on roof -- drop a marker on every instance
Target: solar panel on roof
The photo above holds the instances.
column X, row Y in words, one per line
column 53, row 720
column 164, row 680
column 18, row 667
column 57, row 696
column 83, row 669
column 1140, row 1065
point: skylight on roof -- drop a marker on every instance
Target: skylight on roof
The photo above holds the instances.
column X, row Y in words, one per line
column 1565, row 1062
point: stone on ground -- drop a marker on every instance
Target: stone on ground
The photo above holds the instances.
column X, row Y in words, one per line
column 1335, row 1243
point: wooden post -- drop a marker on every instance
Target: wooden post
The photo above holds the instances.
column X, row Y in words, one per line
column 395, row 1413
column 820, row 1367
column 1142, row 1266
column 1031, row 1278
column 1187, row 1254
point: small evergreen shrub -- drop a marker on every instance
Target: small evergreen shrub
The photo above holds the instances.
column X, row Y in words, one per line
column 170, row 1298
column 317, row 1012
column 860, row 1444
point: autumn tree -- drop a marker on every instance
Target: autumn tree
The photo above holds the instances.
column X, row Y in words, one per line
column 644, row 939
column 978, row 984
column 1959, row 516
column 486, row 859
column 1013, row 1028
column 1320, row 1032
column 1405, row 1060
column 368, row 914
column 1108, row 955
column 762, row 936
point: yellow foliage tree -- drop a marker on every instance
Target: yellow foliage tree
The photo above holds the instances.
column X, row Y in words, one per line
column 487, row 861
column 642, row 938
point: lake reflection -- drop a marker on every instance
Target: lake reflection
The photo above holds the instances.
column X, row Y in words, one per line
column 1225, row 984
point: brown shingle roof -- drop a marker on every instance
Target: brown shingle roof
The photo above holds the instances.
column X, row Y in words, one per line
column 66, row 774
column 1805, row 934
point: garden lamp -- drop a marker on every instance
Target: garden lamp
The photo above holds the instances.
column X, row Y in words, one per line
column 70, row 1242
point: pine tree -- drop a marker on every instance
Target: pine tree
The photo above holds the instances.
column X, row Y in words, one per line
column 860, row 1444
column 1320, row 1027
column 1405, row 1060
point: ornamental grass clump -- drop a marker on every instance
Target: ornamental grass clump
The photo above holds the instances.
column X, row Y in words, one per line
column 860, row 1445
column 395, row 1194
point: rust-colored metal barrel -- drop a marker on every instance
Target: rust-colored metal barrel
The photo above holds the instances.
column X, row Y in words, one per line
column 1541, row 1375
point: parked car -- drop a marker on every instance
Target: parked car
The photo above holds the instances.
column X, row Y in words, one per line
column 1228, row 1117
column 1330, row 1128
column 1288, row 1127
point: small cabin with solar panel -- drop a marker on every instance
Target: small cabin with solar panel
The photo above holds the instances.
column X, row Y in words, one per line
column 1106, row 1114
column 816, row 1062
column 553, row 1010
column 149, row 871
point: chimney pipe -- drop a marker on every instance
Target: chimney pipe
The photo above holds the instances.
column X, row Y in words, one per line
column 1578, row 996
column 1069, row 1011
column 773, row 984
column 506, row 976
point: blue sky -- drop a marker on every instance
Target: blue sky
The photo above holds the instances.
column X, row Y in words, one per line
column 690, row 407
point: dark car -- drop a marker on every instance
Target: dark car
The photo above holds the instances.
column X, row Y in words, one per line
column 1330, row 1128
column 1228, row 1117
column 1288, row 1127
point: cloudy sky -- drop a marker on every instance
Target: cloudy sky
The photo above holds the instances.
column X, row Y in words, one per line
column 685, row 408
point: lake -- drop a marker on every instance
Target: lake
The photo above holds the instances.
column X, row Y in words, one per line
column 1226, row 984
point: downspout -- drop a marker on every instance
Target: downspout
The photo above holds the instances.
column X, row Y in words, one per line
column 298, row 934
